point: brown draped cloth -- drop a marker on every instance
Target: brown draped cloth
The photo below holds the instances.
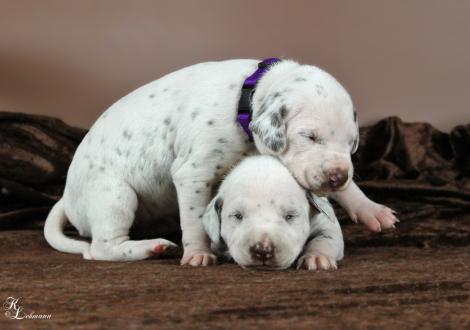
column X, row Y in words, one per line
column 416, row 169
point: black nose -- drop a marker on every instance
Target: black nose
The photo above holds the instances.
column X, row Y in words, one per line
column 337, row 178
column 262, row 250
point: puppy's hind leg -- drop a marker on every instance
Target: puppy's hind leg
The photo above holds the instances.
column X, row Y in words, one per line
column 111, row 212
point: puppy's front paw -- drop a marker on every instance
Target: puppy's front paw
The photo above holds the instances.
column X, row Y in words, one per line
column 376, row 216
column 198, row 258
column 316, row 262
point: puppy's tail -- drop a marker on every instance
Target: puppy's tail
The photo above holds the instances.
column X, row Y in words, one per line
column 54, row 233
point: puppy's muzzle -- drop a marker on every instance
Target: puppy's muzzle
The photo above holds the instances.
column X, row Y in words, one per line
column 337, row 178
column 262, row 251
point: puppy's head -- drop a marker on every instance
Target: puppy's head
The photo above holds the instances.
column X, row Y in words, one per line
column 306, row 118
column 260, row 215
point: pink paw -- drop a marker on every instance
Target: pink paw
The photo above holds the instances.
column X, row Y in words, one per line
column 198, row 258
column 161, row 249
column 376, row 217
column 316, row 262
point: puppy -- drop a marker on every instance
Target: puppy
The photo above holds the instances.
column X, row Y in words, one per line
column 159, row 152
column 261, row 217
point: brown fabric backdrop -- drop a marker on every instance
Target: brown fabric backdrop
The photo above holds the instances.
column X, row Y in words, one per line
column 413, row 167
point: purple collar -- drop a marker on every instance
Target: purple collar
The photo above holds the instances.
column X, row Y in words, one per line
column 244, row 105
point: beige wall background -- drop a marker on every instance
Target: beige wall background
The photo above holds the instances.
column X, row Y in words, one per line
column 72, row 59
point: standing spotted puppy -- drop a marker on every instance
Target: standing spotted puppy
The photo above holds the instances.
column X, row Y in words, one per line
column 159, row 152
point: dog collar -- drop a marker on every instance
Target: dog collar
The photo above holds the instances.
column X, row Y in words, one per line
column 244, row 105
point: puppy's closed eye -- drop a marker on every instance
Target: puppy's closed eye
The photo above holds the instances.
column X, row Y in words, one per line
column 312, row 136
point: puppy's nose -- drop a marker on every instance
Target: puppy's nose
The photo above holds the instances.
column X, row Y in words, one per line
column 337, row 178
column 262, row 250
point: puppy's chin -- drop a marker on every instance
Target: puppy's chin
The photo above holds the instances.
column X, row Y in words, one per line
column 324, row 189
column 259, row 265
column 263, row 267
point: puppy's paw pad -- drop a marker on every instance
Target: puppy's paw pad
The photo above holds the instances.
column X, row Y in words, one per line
column 198, row 258
column 377, row 217
column 162, row 249
column 386, row 217
column 87, row 255
column 316, row 262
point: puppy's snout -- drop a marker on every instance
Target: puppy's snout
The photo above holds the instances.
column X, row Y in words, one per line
column 262, row 250
column 337, row 178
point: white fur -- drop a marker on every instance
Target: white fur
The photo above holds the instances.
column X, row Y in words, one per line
column 262, row 192
column 157, row 153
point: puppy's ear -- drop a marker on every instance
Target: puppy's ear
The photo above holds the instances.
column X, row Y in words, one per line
column 320, row 205
column 268, row 127
column 211, row 221
column 356, row 139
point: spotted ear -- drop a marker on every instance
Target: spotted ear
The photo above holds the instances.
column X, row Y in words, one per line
column 211, row 222
column 269, row 129
column 355, row 144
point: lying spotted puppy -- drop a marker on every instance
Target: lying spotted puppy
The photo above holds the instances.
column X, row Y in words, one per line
column 261, row 217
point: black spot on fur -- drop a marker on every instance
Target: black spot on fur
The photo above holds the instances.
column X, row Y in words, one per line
column 126, row 134
column 191, row 208
column 197, row 191
column 283, row 112
column 194, row 114
column 210, row 122
column 152, row 96
column 218, row 167
column 165, row 90
column 275, row 120
column 275, row 145
column 222, row 140
column 167, row 121
column 194, row 165
column 279, row 135
column 102, row 168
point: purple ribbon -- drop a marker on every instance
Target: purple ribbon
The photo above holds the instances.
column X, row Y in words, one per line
column 244, row 118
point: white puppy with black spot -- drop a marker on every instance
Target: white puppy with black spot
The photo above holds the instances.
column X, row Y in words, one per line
column 157, row 154
column 261, row 217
